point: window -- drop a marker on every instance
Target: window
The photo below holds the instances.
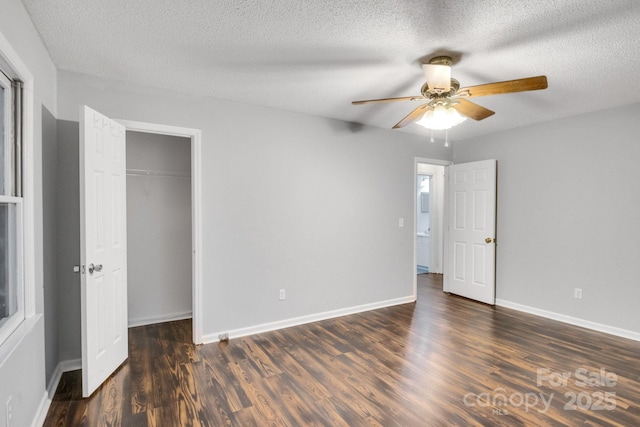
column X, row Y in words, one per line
column 12, row 306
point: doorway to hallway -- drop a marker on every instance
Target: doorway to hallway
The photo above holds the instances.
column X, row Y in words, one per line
column 429, row 209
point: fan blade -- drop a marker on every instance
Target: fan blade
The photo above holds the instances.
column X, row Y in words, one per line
column 411, row 117
column 472, row 110
column 404, row 98
column 499, row 88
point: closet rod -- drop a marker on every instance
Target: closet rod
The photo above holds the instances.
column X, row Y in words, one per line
column 145, row 172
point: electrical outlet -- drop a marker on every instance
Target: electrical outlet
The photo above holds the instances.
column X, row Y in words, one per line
column 283, row 295
column 8, row 410
column 401, row 222
column 577, row 293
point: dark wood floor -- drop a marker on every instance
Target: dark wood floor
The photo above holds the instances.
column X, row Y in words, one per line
column 444, row 360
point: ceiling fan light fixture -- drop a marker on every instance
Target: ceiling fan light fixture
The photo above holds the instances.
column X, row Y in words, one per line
column 441, row 117
column 446, row 103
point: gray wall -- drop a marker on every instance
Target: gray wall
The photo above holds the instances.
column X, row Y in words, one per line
column 158, row 228
column 22, row 372
column 289, row 201
column 568, row 206
column 68, row 253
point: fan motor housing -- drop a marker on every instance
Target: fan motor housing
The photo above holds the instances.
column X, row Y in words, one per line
column 430, row 93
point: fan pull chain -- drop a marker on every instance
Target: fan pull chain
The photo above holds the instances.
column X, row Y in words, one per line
column 432, row 140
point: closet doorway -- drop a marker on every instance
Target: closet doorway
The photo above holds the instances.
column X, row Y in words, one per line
column 158, row 228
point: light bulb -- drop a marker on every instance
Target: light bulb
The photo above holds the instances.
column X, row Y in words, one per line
column 439, row 113
column 440, row 117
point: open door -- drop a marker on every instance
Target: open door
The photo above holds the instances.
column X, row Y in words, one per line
column 471, row 250
column 103, row 253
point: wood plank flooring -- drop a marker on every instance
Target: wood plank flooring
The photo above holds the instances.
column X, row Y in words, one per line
column 442, row 361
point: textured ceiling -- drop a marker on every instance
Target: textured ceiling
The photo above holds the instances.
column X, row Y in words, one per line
column 316, row 57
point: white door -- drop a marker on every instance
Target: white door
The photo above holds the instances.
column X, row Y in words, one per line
column 103, row 247
column 471, row 250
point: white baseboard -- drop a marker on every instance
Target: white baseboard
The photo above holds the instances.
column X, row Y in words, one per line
column 41, row 413
column 296, row 321
column 600, row 327
column 43, row 408
column 64, row 366
column 159, row 319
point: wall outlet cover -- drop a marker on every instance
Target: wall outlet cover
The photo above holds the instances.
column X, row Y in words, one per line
column 8, row 411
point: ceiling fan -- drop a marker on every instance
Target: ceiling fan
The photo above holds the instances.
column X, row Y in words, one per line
column 447, row 103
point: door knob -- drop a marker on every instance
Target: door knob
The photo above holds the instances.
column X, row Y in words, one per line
column 488, row 240
column 93, row 268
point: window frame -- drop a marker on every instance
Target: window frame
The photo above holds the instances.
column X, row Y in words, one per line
column 5, row 83
column 15, row 69
column 9, row 324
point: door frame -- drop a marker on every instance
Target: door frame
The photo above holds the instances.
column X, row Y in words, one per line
column 195, row 135
column 434, row 162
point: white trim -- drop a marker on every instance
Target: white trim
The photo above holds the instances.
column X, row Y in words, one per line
column 41, row 412
column 297, row 321
column 12, row 59
column 600, row 327
column 445, row 232
column 159, row 319
column 196, row 208
column 157, row 128
column 63, row 366
column 45, row 403
column 5, row 84
column 29, row 267
column 436, row 162
column 10, row 199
